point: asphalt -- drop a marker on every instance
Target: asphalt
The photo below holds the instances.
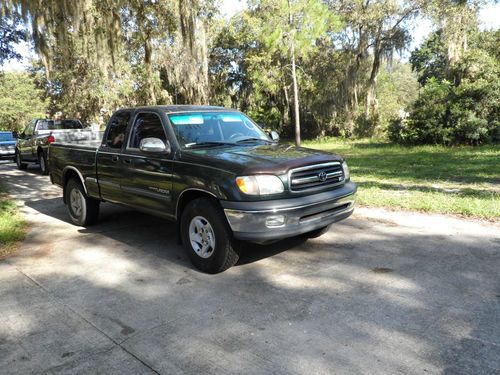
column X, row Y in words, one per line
column 381, row 293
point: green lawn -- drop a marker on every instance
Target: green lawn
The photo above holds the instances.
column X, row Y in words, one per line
column 458, row 180
column 12, row 224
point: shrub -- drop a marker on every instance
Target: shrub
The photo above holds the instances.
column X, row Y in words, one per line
column 447, row 114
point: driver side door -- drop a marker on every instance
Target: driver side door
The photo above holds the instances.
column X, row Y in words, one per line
column 148, row 182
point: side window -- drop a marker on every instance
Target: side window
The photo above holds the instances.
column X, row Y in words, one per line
column 116, row 129
column 147, row 125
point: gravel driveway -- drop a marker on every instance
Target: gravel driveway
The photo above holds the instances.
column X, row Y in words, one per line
column 381, row 293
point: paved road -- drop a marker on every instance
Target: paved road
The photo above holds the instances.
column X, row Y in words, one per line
column 382, row 293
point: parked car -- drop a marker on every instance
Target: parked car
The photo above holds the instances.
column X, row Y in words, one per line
column 33, row 142
column 211, row 169
column 7, row 146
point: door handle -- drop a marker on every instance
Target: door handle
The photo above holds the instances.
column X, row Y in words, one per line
column 114, row 159
column 127, row 161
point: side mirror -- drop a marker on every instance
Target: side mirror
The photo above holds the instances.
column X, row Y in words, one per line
column 275, row 136
column 154, row 145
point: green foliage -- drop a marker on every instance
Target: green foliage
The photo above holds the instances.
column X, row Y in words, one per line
column 460, row 180
column 96, row 56
column 461, row 112
column 12, row 224
column 428, row 120
column 397, row 89
column 11, row 33
column 298, row 22
column 430, row 59
column 20, row 101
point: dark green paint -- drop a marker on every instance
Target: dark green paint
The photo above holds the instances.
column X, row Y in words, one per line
column 155, row 182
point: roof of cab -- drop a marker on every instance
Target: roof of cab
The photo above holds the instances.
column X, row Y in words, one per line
column 180, row 108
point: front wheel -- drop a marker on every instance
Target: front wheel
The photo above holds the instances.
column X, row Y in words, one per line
column 19, row 161
column 207, row 237
column 83, row 210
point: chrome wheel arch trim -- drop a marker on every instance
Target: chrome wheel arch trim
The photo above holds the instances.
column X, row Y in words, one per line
column 187, row 190
column 66, row 169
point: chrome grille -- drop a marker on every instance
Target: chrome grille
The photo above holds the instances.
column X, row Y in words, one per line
column 315, row 176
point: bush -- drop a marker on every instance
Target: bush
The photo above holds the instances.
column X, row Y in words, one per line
column 445, row 114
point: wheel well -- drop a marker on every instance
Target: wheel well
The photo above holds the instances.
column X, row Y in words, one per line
column 68, row 175
column 189, row 196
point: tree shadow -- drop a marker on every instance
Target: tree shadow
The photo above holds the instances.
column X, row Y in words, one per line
column 379, row 302
column 465, row 192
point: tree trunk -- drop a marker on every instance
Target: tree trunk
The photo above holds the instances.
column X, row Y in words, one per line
column 285, row 120
column 294, row 79
column 370, row 104
column 149, row 71
column 295, row 99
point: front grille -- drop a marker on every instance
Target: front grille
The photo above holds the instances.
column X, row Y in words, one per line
column 315, row 176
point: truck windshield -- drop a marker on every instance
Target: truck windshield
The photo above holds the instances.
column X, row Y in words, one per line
column 213, row 128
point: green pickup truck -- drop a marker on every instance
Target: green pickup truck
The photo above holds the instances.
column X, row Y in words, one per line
column 210, row 169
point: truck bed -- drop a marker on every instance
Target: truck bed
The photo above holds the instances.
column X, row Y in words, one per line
column 80, row 156
column 74, row 136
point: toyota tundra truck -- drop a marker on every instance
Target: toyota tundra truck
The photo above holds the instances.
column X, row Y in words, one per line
column 212, row 170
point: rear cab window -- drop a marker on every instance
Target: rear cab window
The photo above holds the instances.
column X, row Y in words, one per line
column 45, row 125
column 66, row 124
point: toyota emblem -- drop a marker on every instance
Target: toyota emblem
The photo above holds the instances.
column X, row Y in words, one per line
column 322, row 176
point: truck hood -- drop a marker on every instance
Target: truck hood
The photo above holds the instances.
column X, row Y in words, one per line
column 258, row 159
column 7, row 143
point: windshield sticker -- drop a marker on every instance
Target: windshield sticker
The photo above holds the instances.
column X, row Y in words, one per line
column 231, row 118
column 187, row 120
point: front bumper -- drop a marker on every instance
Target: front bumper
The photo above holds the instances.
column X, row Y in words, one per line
column 7, row 154
column 278, row 219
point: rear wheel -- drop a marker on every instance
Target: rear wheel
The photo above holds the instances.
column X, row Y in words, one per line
column 82, row 209
column 42, row 160
column 19, row 162
column 207, row 237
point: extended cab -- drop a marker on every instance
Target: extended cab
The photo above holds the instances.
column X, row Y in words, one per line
column 211, row 169
column 33, row 142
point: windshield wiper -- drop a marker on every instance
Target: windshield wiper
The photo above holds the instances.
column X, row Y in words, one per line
column 252, row 139
column 208, row 144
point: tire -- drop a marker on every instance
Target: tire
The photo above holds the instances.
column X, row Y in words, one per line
column 82, row 210
column 20, row 165
column 317, row 232
column 214, row 252
column 42, row 160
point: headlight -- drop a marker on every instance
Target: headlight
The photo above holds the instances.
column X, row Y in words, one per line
column 260, row 184
column 347, row 174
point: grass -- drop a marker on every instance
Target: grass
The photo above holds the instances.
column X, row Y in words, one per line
column 450, row 180
column 12, row 224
